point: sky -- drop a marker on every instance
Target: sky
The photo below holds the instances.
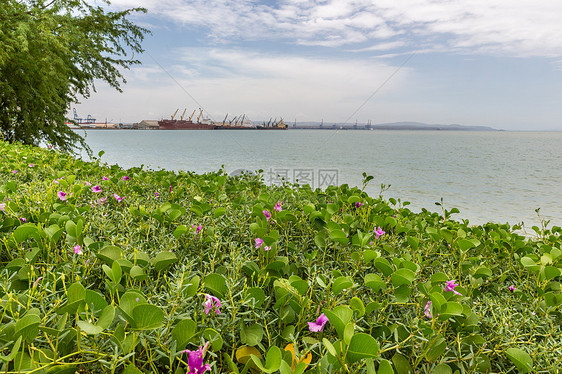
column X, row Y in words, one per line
column 494, row 63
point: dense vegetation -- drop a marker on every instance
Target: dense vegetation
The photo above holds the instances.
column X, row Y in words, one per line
column 111, row 270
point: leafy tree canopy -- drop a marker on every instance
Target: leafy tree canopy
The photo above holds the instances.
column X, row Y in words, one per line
column 51, row 51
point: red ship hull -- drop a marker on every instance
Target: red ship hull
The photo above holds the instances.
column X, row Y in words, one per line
column 168, row 124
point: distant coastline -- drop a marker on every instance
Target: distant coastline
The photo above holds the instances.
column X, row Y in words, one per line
column 388, row 126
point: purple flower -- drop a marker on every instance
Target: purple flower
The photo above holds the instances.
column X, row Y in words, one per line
column 105, row 178
column 259, row 242
column 197, row 229
column 450, row 287
column 170, row 189
column 3, row 207
column 77, row 249
column 96, row 189
column 427, row 310
column 211, row 303
column 101, row 201
column 118, row 198
column 318, row 325
column 267, row 215
column 195, row 361
column 358, row 204
column 126, row 178
column 156, row 194
column 379, row 232
column 61, row 195
column 23, row 219
column 511, row 288
column 278, row 206
column 50, row 146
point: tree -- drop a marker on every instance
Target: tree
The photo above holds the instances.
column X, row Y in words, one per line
column 51, row 52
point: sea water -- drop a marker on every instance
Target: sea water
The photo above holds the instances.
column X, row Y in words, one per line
column 492, row 176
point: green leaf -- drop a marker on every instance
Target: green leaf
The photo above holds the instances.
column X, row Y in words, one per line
column 183, row 332
column 214, row 337
column 401, row 364
column 339, row 317
column 219, row 212
column 76, row 295
column 450, row 309
column 147, row 317
column 216, row 283
column 13, row 351
column 375, row 282
column 137, row 273
column 27, row 327
column 402, row 277
column 385, row 367
column 362, row 346
column 357, row 305
column 131, row 369
column 520, row 359
column 436, row 347
column 106, row 317
column 25, row 232
column 89, row 328
column 179, row 231
column 465, row 244
column 383, row 265
column 442, row 369
column 251, row 335
column 340, row 284
column 348, row 332
column 272, row 360
column 109, row 253
column 163, row 260
column 255, row 296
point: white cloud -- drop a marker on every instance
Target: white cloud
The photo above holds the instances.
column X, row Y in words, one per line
column 522, row 27
column 257, row 85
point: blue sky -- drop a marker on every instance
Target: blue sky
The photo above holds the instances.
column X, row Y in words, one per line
column 474, row 62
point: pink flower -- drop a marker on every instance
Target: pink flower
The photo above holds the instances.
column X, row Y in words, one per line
column 511, row 288
column 3, row 207
column 118, row 198
column 170, row 189
column 31, row 165
column 259, row 242
column 101, row 201
column 450, row 287
column 379, row 232
column 427, row 310
column 50, row 146
column 62, row 195
column 96, row 189
column 267, row 215
column 278, row 206
column 14, row 171
column 23, row 219
column 195, row 361
column 105, row 178
column 156, row 194
column 358, row 204
column 87, row 184
column 266, row 248
column 77, row 249
column 197, row 229
column 211, row 303
column 126, row 178
column 318, row 325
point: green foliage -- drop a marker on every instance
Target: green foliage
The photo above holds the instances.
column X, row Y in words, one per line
column 50, row 54
column 148, row 285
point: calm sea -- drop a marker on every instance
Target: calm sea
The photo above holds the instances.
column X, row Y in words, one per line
column 489, row 176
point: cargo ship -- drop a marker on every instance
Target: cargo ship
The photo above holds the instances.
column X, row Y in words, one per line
column 273, row 125
column 187, row 124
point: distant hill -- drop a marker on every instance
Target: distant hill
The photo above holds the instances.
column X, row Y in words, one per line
column 425, row 126
column 390, row 126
